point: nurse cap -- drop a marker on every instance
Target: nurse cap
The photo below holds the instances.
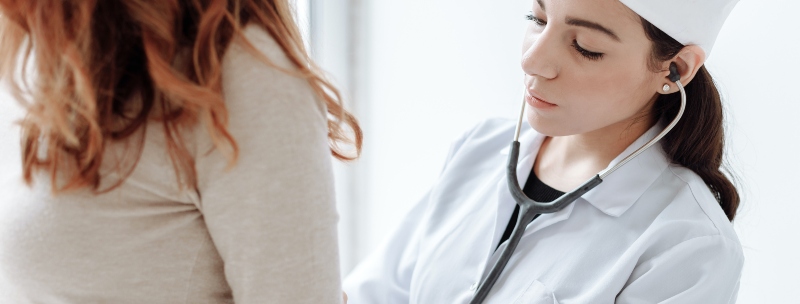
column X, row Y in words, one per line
column 690, row 22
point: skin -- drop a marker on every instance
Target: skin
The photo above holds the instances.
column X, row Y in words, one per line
column 597, row 105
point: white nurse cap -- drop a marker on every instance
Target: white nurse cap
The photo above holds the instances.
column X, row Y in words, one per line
column 690, row 22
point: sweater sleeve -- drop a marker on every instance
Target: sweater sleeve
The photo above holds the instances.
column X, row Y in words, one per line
column 272, row 216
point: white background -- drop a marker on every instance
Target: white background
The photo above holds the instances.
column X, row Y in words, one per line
column 418, row 73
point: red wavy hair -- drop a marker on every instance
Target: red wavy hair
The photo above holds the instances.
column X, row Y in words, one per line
column 103, row 68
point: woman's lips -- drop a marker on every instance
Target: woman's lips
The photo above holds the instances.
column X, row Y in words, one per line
column 535, row 101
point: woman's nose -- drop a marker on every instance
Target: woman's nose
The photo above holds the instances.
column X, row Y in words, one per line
column 540, row 56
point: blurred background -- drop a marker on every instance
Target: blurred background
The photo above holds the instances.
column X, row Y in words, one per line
column 419, row 73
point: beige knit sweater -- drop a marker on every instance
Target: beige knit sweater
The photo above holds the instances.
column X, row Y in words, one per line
column 262, row 232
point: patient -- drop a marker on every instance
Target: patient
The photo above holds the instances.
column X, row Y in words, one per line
column 176, row 151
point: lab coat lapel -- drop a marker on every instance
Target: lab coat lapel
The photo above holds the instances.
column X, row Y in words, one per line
column 530, row 141
column 545, row 220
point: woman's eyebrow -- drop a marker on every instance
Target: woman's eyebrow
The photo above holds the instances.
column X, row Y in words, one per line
column 541, row 4
column 594, row 26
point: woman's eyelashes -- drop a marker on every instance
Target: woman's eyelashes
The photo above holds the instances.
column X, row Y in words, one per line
column 535, row 19
column 583, row 52
column 586, row 53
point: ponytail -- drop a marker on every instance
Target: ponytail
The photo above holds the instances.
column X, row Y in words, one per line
column 697, row 141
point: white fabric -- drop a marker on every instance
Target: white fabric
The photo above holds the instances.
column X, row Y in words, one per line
column 650, row 233
column 690, row 22
column 262, row 232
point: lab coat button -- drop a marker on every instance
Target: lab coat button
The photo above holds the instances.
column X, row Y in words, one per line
column 473, row 287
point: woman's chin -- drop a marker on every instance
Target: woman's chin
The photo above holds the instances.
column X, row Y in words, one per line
column 548, row 126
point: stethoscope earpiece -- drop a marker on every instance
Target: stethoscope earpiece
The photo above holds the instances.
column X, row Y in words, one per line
column 674, row 76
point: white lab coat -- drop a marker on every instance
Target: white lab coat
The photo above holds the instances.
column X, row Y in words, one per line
column 652, row 232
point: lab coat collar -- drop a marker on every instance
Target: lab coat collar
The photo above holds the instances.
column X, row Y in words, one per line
column 620, row 190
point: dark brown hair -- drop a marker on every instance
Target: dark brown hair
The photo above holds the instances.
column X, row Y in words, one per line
column 697, row 141
column 92, row 58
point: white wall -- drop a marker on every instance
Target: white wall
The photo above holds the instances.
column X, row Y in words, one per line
column 756, row 63
column 430, row 69
column 434, row 68
column 334, row 37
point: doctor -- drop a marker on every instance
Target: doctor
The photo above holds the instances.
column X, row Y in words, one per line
column 597, row 88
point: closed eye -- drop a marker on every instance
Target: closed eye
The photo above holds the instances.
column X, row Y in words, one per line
column 586, row 53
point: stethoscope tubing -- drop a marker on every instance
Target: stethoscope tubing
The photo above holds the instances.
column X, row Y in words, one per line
column 530, row 209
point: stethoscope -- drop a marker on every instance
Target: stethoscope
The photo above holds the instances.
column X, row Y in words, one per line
column 530, row 209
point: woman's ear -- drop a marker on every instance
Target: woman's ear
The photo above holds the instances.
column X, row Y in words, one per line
column 689, row 60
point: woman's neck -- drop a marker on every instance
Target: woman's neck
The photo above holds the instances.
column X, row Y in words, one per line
column 565, row 162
